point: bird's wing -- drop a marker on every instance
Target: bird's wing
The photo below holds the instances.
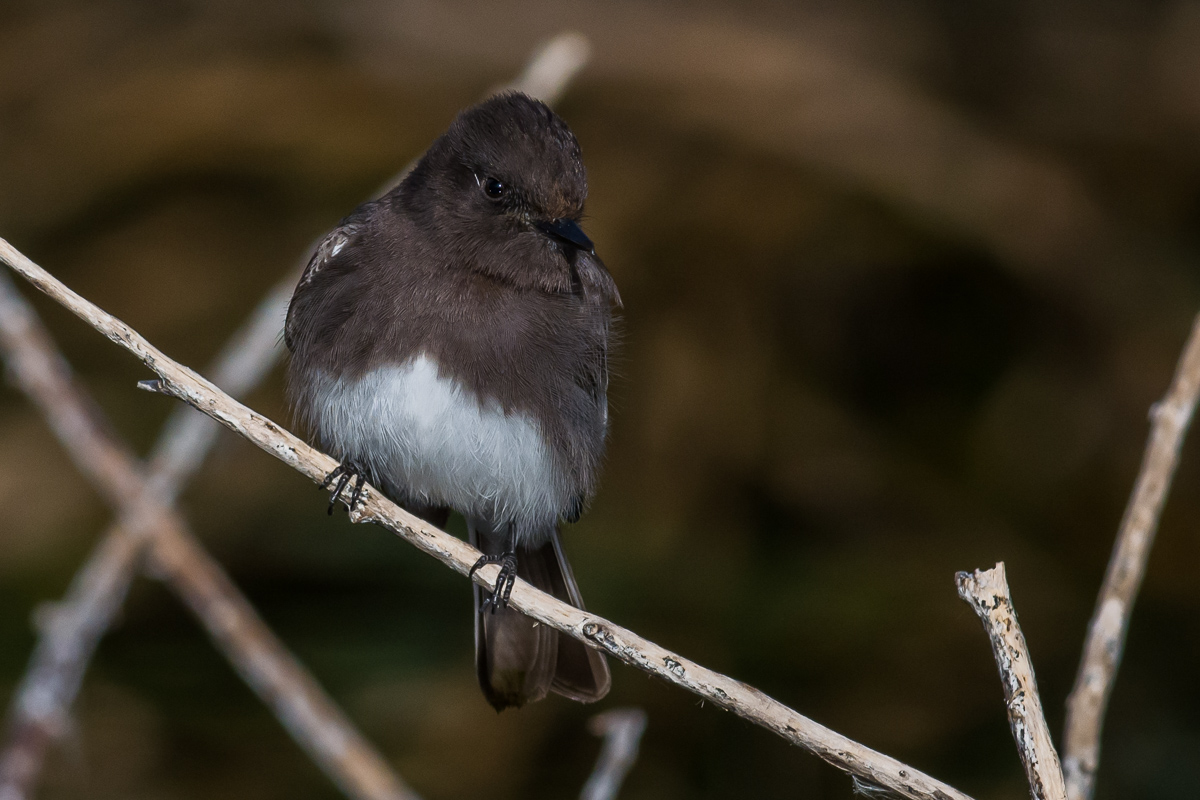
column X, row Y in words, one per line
column 335, row 245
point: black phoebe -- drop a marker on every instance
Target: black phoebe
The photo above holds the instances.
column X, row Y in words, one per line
column 450, row 343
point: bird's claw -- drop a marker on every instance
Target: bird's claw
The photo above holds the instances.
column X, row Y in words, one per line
column 345, row 473
column 505, row 579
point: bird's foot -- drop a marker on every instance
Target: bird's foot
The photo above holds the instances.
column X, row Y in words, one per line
column 345, row 473
column 505, row 579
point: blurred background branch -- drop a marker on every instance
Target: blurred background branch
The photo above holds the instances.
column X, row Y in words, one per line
column 42, row 703
column 621, row 729
column 262, row 660
column 1109, row 626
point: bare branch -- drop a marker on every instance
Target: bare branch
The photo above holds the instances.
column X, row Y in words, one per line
column 179, row 381
column 987, row 593
column 622, row 729
column 1126, row 568
column 308, row 714
column 40, row 705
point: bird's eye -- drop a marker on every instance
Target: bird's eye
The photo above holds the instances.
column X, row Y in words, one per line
column 494, row 188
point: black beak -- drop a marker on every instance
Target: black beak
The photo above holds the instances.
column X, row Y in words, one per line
column 567, row 230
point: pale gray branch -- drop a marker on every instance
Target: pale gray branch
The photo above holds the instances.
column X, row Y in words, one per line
column 179, row 381
column 622, row 729
column 1126, row 568
column 987, row 593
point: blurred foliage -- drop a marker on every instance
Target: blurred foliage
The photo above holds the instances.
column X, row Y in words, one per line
column 901, row 282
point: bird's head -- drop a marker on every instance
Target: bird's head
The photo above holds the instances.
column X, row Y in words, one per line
column 507, row 180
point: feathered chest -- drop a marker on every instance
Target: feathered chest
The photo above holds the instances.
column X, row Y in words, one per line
column 437, row 443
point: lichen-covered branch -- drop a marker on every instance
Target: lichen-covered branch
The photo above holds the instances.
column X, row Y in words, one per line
column 625, row 645
column 1126, row 568
column 987, row 593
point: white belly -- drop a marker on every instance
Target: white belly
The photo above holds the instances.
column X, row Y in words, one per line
column 426, row 434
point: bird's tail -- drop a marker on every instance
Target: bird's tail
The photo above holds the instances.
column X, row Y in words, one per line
column 518, row 660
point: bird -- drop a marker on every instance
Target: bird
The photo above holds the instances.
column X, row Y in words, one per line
column 449, row 343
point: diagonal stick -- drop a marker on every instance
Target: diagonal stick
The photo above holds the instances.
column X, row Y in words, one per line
column 868, row 765
column 1126, row 569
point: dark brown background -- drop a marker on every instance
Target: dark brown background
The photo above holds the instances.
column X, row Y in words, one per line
column 901, row 282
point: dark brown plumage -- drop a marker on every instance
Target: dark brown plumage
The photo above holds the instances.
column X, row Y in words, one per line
column 450, row 341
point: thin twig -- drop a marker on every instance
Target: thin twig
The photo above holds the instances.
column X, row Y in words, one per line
column 1109, row 626
column 309, row 715
column 987, row 593
column 40, row 706
column 622, row 729
column 843, row 753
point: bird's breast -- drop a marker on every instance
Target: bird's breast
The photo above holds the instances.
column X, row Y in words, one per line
column 437, row 442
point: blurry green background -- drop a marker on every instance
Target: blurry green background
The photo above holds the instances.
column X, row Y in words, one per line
column 901, row 282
